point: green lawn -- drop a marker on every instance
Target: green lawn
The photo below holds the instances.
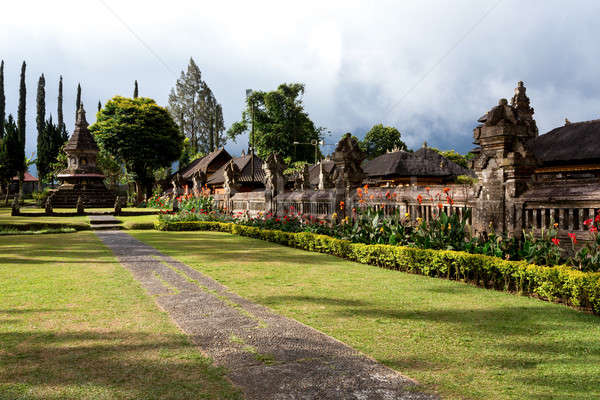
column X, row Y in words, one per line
column 75, row 325
column 459, row 340
column 78, row 222
column 6, row 219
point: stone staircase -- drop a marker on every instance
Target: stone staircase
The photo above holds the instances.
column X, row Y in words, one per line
column 92, row 198
column 105, row 223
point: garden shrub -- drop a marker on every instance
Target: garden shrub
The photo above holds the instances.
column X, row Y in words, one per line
column 558, row 283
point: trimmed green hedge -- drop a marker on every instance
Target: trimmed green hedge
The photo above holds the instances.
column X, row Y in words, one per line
column 559, row 283
column 39, row 226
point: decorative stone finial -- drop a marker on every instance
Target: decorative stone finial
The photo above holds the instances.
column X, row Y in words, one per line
column 425, row 144
column 567, row 122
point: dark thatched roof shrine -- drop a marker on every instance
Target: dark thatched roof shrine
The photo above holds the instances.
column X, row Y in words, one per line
column 572, row 143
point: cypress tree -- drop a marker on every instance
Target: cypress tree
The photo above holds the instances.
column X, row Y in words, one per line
column 11, row 152
column 78, row 100
column 61, row 122
column 99, row 106
column 42, row 139
column 21, row 128
column 135, row 90
column 2, row 100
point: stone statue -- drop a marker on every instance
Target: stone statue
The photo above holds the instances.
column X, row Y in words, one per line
column 348, row 158
column 274, row 180
column 118, row 205
column 324, row 178
column 80, row 208
column 231, row 175
column 49, row 209
column 177, row 181
column 16, row 207
column 305, row 178
column 199, row 179
column 502, row 114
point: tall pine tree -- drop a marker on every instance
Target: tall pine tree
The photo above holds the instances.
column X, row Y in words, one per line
column 78, row 100
column 2, row 101
column 21, row 128
column 61, row 122
column 99, row 106
column 135, row 90
column 43, row 142
column 12, row 153
column 194, row 105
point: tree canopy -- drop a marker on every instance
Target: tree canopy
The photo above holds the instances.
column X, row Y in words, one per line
column 279, row 120
column 141, row 135
column 193, row 105
column 381, row 139
column 455, row 157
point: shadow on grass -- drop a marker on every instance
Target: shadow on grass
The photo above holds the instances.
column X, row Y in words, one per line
column 49, row 365
column 317, row 300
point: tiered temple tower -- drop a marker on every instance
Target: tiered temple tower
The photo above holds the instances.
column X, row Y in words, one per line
column 505, row 164
column 82, row 178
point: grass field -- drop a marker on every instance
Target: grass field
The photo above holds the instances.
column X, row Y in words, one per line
column 75, row 325
column 459, row 340
column 78, row 222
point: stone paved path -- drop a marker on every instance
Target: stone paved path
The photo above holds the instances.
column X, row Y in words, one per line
column 268, row 356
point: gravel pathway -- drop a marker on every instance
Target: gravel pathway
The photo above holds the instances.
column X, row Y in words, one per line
column 266, row 355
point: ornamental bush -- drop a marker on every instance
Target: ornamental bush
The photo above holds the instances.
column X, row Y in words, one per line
column 558, row 283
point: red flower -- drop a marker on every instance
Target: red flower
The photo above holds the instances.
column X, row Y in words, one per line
column 556, row 241
column 573, row 238
column 440, row 206
column 593, row 229
column 387, row 194
column 420, row 199
column 427, row 189
column 446, row 189
column 597, row 219
column 588, row 221
column 450, row 201
column 341, row 205
column 277, row 220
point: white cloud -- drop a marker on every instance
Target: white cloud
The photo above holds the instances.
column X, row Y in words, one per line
column 357, row 58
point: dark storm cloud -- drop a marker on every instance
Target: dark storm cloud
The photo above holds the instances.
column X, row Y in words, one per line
column 429, row 68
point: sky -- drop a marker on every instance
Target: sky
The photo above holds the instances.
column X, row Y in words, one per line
column 429, row 68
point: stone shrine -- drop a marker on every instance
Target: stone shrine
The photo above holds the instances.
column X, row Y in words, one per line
column 82, row 178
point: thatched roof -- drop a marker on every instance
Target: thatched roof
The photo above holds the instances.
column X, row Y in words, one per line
column 575, row 142
column 204, row 163
column 244, row 164
column 314, row 171
column 424, row 162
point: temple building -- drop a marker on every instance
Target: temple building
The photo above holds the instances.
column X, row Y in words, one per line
column 82, row 177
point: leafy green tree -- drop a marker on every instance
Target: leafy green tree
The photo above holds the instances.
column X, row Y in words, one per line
column 2, row 101
column 381, row 139
column 188, row 155
column 194, row 106
column 462, row 160
column 21, row 127
column 275, row 120
column 140, row 134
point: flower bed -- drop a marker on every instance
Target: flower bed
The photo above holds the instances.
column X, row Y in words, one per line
column 558, row 283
